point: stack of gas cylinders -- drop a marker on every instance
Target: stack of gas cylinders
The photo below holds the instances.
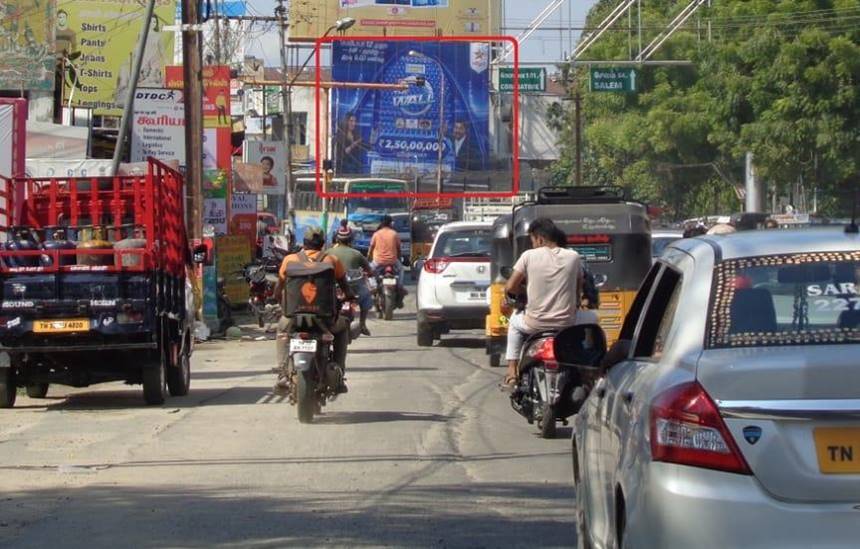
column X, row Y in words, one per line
column 59, row 238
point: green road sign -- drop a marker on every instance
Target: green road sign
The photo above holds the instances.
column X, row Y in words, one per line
column 531, row 79
column 613, row 79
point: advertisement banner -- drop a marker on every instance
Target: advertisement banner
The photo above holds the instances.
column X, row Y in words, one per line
column 263, row 169
column 233, row 254
column 396, row 133
column 215, row 214
column 158, row 125
column 47, row 140
column 243, row 216
column 26, row 45
column 13, row 143
column 104, row 34
column 216, row 92
column 393, row 17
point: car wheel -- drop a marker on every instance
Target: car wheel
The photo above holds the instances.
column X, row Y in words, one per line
column 425, row 335
column 37, row 390
column 7, row 388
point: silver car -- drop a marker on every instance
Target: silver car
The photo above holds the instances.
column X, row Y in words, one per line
column 731, row 414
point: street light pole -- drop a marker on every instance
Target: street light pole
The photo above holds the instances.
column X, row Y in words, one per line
column 287, row 111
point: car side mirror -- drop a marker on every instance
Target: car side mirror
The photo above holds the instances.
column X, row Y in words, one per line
column 617, row 353
column 580, row 345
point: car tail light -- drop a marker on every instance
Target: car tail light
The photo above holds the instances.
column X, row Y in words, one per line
column 436, row 266
column 686, row 428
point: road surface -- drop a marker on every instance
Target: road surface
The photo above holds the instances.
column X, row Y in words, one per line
column 424, row 450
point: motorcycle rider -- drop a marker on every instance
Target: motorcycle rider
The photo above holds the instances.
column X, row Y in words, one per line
column 553, row 276
column 352, row 260
column 314, row 241
column 384, row 251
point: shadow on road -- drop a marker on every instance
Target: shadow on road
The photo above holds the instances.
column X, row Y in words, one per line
column 463, row 342
column 352, row 418
column 368, row 369
column 227, row 374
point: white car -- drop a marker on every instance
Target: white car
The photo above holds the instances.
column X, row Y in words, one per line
column 452, row 288
column 729, row 412
column 661, row 238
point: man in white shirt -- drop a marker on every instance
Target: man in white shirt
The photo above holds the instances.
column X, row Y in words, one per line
column 553, row 277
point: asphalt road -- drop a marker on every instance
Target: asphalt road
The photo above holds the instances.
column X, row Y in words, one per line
column 424, row 450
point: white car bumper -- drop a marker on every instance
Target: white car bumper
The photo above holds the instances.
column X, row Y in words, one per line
column 692, row 507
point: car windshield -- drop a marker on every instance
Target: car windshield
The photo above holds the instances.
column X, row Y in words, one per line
column 799, row 299
column 659, row 243
column 470, row 243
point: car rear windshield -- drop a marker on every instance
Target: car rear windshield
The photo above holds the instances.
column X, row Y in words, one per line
column 466, row 243
column 799, row 299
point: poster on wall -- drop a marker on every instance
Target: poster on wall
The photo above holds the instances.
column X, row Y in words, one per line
column 158, row 125
column 216, row 92
column 27, row 38
column 263, row 169
column 215, row 214
column 233, row 254
column 104, row 33
column 399, row 133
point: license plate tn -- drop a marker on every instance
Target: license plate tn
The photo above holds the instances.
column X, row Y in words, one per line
column 389, row 282
column 838, row 450
column 303, row 346
column 63, row 326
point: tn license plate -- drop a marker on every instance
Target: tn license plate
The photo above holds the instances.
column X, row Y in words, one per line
column 303, row 346
column 838, row 450
column 389, row 282
column 63, row 326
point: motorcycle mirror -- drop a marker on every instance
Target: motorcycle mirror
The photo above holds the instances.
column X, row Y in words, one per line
column 580, row 345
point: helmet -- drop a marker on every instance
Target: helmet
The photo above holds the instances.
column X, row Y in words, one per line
column 314, row 238
column 344, row 234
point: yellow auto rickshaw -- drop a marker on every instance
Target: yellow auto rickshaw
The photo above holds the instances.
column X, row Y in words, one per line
column 611, row 232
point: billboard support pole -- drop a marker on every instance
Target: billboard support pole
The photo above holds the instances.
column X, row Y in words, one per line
column 287, row 114
column 134, row 77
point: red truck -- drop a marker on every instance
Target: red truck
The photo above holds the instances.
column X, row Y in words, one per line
column 97, row 281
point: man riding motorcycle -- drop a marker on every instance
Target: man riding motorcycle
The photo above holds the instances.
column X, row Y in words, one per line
column 314, row 241
column 553, row 276
column 353, row 260
column 384, row 250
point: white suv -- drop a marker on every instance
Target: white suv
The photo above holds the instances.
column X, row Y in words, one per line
column 452, row 288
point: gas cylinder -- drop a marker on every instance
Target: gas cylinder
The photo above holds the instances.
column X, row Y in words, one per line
column 21, row 238
column 97, row 242
column 57, row 241
column 136, row 240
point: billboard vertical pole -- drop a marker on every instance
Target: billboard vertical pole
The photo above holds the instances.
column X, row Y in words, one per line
column 441, row 122
column 287, row 117
column 132, row 87
column 192, row 84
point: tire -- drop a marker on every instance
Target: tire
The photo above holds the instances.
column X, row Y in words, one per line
column 7, row 388
column 495, row 360
column 306, row 399
column 388, row 313
column 547, row 422
column 425, row 335
column 179, row 377
column 260, row 322
column 37, row 390
column 154, row 383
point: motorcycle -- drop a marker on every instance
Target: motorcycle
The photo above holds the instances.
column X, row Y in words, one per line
column 555, row 369
column 387, row 293
column 261, row 279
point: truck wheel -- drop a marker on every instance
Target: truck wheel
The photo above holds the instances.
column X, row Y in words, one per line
column 154, row 383
column 37, row 390
column 306, row 398
column 7, row 388
column 425, row 335
column 179, row 377
column 495, row 360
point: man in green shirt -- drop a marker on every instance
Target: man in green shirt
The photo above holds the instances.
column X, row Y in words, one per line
column 353, row 260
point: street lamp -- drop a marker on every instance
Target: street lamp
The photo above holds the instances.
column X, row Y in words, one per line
column 419, row 55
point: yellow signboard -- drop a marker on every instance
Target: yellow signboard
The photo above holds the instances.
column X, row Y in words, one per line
column 26, row 45
column 232, row 254
column 311, row 19
column 105, row 34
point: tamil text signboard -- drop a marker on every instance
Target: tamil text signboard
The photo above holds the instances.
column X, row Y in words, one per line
column 158, row 125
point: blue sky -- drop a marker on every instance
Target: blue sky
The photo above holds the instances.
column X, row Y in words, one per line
column 543, row 46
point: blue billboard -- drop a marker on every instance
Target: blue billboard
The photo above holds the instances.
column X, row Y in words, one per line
column 400, row 132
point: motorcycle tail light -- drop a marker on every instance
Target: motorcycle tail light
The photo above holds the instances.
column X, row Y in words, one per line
column 303, row 335
column 543, row 350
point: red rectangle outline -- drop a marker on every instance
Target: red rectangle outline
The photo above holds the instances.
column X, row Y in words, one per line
column 515, row 114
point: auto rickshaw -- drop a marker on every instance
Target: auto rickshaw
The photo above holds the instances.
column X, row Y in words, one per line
column 427, row 217
column 610, row 232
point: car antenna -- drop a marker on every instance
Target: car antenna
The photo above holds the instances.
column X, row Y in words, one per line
column 852, row 228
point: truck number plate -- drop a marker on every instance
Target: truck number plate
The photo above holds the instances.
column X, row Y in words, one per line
column 63, row 326
column 303, row 346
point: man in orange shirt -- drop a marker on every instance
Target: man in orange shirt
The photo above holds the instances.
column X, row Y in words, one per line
column 385, row 249
column 314, row 242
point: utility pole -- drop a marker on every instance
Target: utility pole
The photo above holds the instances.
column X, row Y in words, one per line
column 287, row 114
column 193, row 91
column 134, row 77
column 577, row 102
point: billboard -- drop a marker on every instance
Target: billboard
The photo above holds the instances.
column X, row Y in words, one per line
column 216, row 92
column 105, row 34
column 400, row 132
column 263, row 169
column 27, row 45
column 310, row 20
column 158, row 125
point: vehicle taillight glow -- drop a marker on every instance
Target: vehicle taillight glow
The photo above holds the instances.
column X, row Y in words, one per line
column 686, row 428
column 436, row 266
column 543, row 350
